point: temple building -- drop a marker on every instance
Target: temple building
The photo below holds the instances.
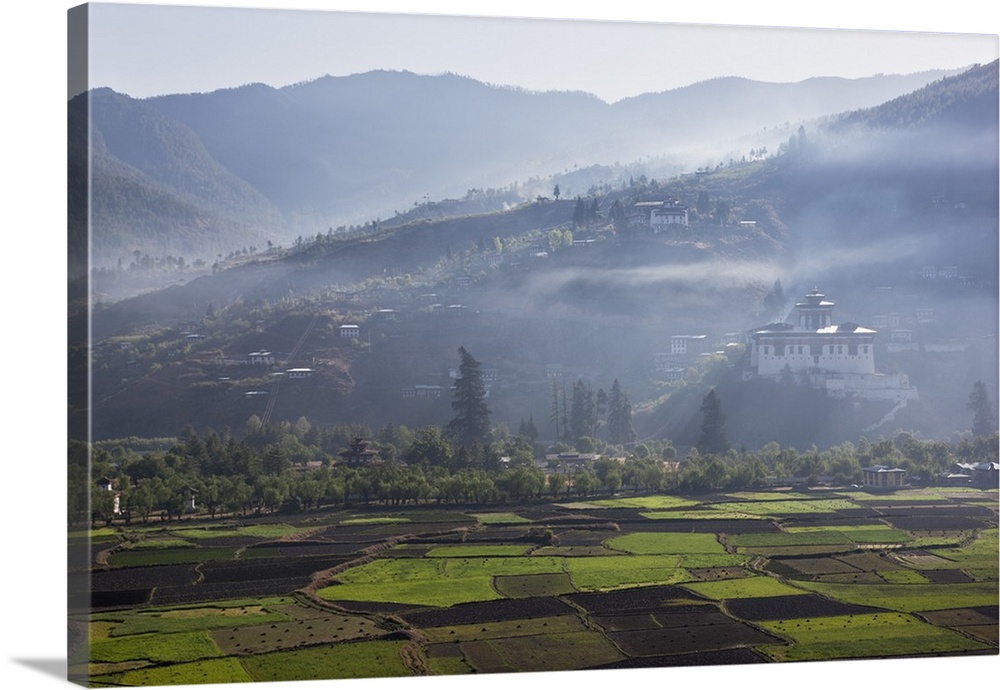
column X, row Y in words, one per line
column 815, row 342
column 359, row 453
column 837, row 357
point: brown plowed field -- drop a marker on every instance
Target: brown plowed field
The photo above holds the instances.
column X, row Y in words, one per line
column 793, row 606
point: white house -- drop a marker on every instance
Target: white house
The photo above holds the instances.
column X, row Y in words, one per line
column 687, row 344
column 350, row 330
column 261, row 358
column 883, row 477
column 668, row 215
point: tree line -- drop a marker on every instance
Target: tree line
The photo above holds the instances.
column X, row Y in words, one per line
column 299, row 466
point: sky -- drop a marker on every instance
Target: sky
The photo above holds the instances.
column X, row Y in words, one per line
column 149, row 50
column 34, row 59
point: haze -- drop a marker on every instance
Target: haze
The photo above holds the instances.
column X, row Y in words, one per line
column 154, row 50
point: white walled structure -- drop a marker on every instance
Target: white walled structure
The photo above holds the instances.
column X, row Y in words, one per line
column 813, row 343
column 837, row 357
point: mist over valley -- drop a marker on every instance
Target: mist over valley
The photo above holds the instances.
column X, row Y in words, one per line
column 434, row 213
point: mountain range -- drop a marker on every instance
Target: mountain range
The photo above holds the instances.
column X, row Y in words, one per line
column 199, row 175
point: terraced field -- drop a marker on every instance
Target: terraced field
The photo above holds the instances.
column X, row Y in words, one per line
column 625, row 582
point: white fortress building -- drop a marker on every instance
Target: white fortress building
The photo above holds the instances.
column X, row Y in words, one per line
column 837, row 357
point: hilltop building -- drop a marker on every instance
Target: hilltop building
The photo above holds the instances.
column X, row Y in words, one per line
column 658, row 216
column 837, row 357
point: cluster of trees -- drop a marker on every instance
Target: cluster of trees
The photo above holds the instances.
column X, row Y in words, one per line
column 578, row 420
column 586, row 213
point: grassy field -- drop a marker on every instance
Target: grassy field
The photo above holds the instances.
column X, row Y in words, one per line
column 227, row 670
column 355, row 660
column 786, row 507
column 474, row 550
column 910, row 597
column 860, row 636
column 500, row 518
column 655, row 502
column 195, row 617
column 742, row 588
column 645, row 543
column 613, row 572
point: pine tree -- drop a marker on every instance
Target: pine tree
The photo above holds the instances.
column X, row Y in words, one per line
column 983, row 421
column 472, row 417
column 583, row 411
column 713, row 435
column 619, row 416
column 531, row 432
column 554, row 410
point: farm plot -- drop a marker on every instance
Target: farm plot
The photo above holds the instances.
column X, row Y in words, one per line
column 722, row 657
column 292, row 634
column 979, row 558
column 645, row 543
column 656, row 502
column 541, row 585
column 154, row 648
column 518, row 627
column 866, row 533
column 171, row 555
column 434, row 581
column 267, row 568
column 693, row 638
column 500, row 518
column 634, row 599
column 476, row 550
column 492, row 611
column 742, row 588
column 910, row 597
column 766, row 543
column 867, row 635
column 719, row 573
column 980, row 622
column 817, row 506
column 810, row 568
column 574, row 551
column 611, row 572
column 201, row 592
column 541, row 652
column 224, row 670
column 142, row 577
column 585, row 537
column 190, row 618
column 792, row 606
column 682, row 522
column 368, row 659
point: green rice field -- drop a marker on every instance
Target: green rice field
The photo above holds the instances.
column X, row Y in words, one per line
column 543, row 587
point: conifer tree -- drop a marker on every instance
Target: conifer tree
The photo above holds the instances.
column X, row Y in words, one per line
column 472, row 417
column 619, row 416
column 713, row 435
column 983, row 421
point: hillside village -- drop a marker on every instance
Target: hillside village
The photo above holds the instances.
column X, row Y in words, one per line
column 382, row 346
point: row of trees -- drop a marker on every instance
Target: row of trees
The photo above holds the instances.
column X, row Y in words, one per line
column 432, row 468
column 296, row 466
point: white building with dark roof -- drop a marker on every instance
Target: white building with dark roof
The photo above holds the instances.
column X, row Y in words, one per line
column 814, row 343
column 837, row 357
